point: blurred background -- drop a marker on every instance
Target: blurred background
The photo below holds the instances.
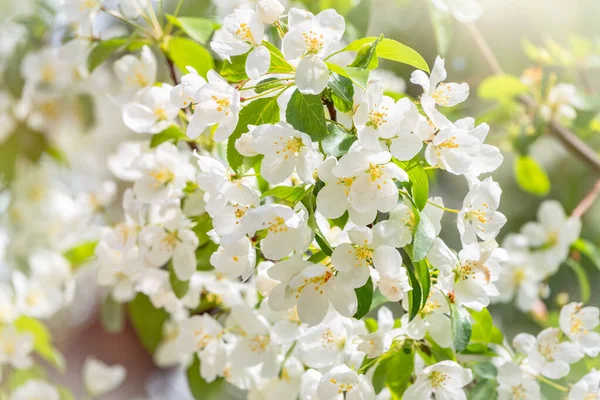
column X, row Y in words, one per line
column 510, row 27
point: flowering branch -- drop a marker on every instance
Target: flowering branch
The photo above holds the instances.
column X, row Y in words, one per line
column 569, row 139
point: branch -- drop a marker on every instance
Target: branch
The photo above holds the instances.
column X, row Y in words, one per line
column 587, row 201
column 569, row 139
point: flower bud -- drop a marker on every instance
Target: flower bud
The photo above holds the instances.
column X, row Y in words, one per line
column 269, row 11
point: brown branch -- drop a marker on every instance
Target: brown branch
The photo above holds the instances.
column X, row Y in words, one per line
column 569, row 139
column 587, row 201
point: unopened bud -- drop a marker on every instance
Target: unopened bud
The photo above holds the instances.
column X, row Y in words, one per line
column 269, row 11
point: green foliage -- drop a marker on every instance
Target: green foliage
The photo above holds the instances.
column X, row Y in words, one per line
column 530, row 176
column 147, row 321
column 367, row 55
column 172, row 133
column 364, row 295
column 306, row 114
column 235, row 70
column 338, row 142
column 112, row 315
column 414, row 296
column 484, row 331
column 199, row 29
column 419, row 183
column 342, row 92
column 290, row 194
column 81, row 254
column 42, row 341
column 360, row 16
column 502, row 88
column 258, row 112
column 585, row 290
column 461, row 327
column 393, row 50
column 186, row 52
column 102, row 50
column 180, row 288
column 484, row 390
column 202, row 390
column 400, row 368
column 423, row 239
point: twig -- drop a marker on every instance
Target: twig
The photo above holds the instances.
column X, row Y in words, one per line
column 569, row 139
column 587, row 201
column 172, row 71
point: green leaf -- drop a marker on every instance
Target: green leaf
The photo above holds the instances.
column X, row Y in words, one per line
column 461, row 327
column 112, row 315
column 342, row 92
column 203, row 224
column 172, row 133
column 366, row 55
column 235, row 70
column 42, row 340
column 380, row 374
column 180, row 288
column 317, row 257
column 65, row 393
column 202, row 390
column 531, row 177
column 589, row 250
column 338, row 142
column 415, row 295
column 364, row 295
column 81, row 254
column 484, row 390
column 279, row 64
column 185, row 52
column 147, row 321
column 400, row 370
column 199, row 29
column 392, row 50
column 306, row 114
column 323, row 244
column 483, row 326
column 258, row 112
column 292, row 194
column 424, row 237
column 485, row 370
column 584, row 282
column 87, row 110
column 501, row 88
column 203, row 256
column 419, row 183
column 18, row 377
column 268, row 84
column 102, row 50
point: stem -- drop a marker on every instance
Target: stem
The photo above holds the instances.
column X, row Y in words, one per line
column 282, row 88
column 452, row 210
column 551, row 383
column 172, row 71
column 169, row 26
column 569, row 139
column 125, row 20
column 331, row 109
column 587, row 201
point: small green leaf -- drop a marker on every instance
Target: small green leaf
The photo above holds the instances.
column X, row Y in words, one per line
column 147, row 321
column 415, row 295
column 102, row 50
column 338, row 142
column 424, row 237
column 461, row 327
column 501, row 88
column 419, row 181
column 199, row 29
column 81, row 254
column 364, row 295
column 306, row 114
column 485, row 370
column 585, row 290
column 202, row 390
column 400, row 370
column 483, row 326
column 589, row 250
column 380, row 374
column 342, row 92
column 180, row 288
column 172, row 133
column 317, row 257
column 258, row 112
column 531, row 177
column 185, row 52
column 42, row 341
column 292, row 194
column 203, row 256
column 484, row 390
column 323, row 244
column 234, row 70
column 112, row 315
column 366, row 55
column 392, row 50
column 203, row 224
column 279, row 64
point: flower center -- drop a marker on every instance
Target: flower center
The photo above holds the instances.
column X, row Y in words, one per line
column 162, row 177
column 364, row 256
column 449, row 144
column 343, row 387
column 222, row 104
column 259, row 343
column 161, row 114
column 442, row 94
column 314, row 42
column 377, row 117
column 318, row 281
column 438, row 379
column 244, row 33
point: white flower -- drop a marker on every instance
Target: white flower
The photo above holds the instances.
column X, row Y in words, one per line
column 471, row 276
column 478, row 216
column 45, row 67
column 436, row 92
column 466, row 11
column 310, row 38
column 552, row 236
column 444, row 380
column 136, row 72
column 578, row 323
column 216, row 103
column 100, row 378
column 514, row 384
column 402, row 219
column 588, row 387
column 172, row 239
column 312, row 287
column 285, row 150
column 185, row 92
column 8, row 309
column 118, row 270
column 561, row 102
column 35, row 389
column 377, row 343
column 432, row 319
column 79, row 10
column 269, row 11
column 35, row 298
column 151, row 110
column 242, row 32
column 454, row 150
column 488, row 157
column 343, row 383
column 547, row 354
column 16, row 348
column 165, row 173
column 235, row 259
